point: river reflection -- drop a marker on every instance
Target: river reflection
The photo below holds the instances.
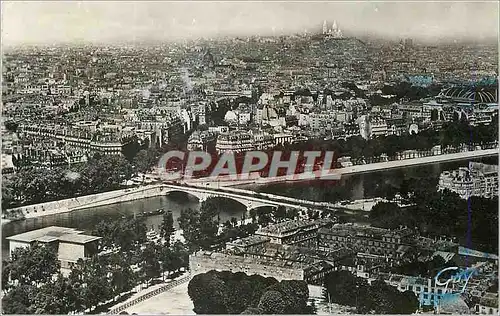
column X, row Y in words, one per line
column 88, row 218
column 361, row 186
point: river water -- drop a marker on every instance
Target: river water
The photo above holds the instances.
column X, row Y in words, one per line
column 352, row 187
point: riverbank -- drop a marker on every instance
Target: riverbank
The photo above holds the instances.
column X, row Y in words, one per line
column 336, row 174
column 418, row 161
column 83, row 202
column 154, row 190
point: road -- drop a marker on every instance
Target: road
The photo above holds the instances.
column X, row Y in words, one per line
column 338, row 173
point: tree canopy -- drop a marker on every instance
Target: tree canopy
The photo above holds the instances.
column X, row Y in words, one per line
column 237, row 293
column 343, row 288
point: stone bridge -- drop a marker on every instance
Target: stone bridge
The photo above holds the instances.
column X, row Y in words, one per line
column 250, row 202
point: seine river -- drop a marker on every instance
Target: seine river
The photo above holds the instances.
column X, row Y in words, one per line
column 354, row 187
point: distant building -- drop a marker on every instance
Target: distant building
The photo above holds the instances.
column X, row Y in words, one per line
column 282, row 139
column 7, row 164
column 476, row 180
column 234, row 141
column 70, row 244
column 364, row 239
column 200, row 140
column 294, row 232
column 488, row 304
column 377, row 127
column 263, row 140
column 333, row 32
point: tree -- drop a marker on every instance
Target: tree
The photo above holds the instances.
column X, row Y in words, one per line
column 145, row 159
column 273, row 302
column 233, row 293
column 386, row 299
column 167, row 261
column 57, row 297
column 131, row 148
column 181, row 256
column 280, row 212
column 343, row 288
column 122, row 277
column 11, row 126
column 167, row 227
column 34, row 265
column 237, row 289
column 8, row 195
column 408, row 303
column 95, row 277
column 189, row 222
column 18, row 300
column 386, row 215
column 150, row 266
column 252, row 311
column 206, row 290
column 5, row 275
column 200, row 228
column 296, row 294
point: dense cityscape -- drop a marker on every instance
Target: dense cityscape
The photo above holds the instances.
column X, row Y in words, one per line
column 91, row 225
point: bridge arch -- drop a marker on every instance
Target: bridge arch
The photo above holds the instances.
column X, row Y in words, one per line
column 238, row 201
column 199, row 195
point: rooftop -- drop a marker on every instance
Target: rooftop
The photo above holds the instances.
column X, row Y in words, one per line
column 368, row 231
column 78, row 238
column 251, row 261
column 53, row 233
column 249, row 241
column 403, row 279
column 289, row 226
column 490, row 300
column 299, row 254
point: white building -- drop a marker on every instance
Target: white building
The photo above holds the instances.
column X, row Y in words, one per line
column 234, row 141
column 477, row 180
column 377, row 127
column 71, row 244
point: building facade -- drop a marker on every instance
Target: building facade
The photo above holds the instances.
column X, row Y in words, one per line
column 69, row 243
column 476, row 180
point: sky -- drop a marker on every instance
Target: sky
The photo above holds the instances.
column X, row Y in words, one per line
column 45, row 22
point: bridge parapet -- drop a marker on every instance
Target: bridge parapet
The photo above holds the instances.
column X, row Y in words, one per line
column 249, row 199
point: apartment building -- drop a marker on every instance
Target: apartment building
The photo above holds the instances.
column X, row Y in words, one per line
column 294, row 232
column 364, row 239
column 234, row 141
column 476, row 180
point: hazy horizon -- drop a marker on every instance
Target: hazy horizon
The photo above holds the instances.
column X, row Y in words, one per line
column 100, row 22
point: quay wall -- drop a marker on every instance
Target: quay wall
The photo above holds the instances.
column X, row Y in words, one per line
column 357, row 169
column 137, row 193
column 202, row 263
column 87, row 201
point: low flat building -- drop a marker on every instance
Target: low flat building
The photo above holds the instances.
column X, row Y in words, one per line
column 69, row 243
